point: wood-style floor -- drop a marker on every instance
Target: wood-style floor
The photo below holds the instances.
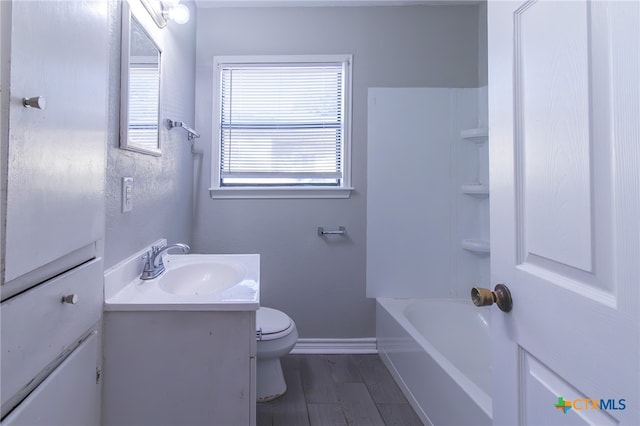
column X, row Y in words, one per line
column 337, row 390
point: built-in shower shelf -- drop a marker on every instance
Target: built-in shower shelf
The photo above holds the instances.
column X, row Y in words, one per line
column 475, row 189
column 476, row 245
column 478, row 135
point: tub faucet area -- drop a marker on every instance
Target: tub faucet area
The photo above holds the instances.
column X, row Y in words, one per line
column 154, row 265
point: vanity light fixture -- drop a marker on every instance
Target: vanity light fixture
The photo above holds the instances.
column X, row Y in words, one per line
column 179, row 13
column 163, row 11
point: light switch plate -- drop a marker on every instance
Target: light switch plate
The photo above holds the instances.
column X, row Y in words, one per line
column 127, row 194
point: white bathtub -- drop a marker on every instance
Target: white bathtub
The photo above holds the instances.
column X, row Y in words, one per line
column 438, row 350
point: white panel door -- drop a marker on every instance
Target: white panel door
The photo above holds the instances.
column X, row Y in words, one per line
column 564, row 122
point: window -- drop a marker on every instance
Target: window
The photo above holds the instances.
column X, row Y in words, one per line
column 283, row 127
column 144, row 81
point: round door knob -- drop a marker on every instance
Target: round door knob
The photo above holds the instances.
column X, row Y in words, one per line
column 38, row 102
column 72, row 299
column 500, row 295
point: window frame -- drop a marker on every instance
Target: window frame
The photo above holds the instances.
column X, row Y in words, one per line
column 315, row 191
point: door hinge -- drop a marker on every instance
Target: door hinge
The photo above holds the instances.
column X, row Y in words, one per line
column 98, row 375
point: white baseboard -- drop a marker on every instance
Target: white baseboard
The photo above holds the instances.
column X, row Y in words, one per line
column 364, row 345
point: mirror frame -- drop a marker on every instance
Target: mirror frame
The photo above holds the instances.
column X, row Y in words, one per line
column 127, row 15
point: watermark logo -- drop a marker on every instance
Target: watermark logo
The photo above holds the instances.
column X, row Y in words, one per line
column 580, row 404
column 563, row 405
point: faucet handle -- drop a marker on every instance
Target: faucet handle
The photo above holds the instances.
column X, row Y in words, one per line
column 150, row 254
column 147, row 261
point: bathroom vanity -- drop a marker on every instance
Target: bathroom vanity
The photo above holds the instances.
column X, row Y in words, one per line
column 179, row 367
column 182, row 350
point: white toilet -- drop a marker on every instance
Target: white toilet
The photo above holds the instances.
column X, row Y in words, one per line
column 277, row 335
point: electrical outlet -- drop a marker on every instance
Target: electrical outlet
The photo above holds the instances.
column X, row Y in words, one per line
column 127, row 194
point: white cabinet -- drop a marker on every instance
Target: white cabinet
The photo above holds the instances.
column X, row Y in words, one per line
column 54, row 58
column 56, row 155
column 179, row 367
column 74, row 380
column 37, row 326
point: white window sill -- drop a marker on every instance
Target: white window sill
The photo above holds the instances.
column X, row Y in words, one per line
column 279, row 192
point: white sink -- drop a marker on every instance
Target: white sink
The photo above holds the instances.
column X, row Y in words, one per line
column 185, row 276
column 191, row 282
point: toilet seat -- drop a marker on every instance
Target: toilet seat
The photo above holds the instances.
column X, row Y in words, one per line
column 272, row 324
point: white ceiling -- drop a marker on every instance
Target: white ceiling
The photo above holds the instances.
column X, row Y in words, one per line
column 318, row 3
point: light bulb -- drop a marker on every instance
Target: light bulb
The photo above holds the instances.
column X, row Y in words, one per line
column 179, row 14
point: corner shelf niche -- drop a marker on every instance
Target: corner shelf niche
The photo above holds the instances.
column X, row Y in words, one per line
column 479, row 135
column 476, row 245
column 479, row 190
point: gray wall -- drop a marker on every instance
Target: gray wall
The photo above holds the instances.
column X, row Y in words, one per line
column 321, row 283
column 162, row 194
column 483, row 58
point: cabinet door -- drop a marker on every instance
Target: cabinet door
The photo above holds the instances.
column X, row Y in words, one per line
column 69, row 396
column 56, row 157
column 35, row 327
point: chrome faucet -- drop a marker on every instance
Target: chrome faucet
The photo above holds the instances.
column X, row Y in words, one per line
column 153, row 265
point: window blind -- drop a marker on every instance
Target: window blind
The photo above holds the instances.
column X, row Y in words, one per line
column 144, row 81
column 281, row 124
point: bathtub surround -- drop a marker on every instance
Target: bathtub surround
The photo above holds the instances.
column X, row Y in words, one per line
column 423, row 201
column 320, row 282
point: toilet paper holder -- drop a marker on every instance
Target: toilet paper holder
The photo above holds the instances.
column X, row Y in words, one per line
column 340, row 231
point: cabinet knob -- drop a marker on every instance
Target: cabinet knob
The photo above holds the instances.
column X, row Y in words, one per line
column 72, row 299
column 38, row 102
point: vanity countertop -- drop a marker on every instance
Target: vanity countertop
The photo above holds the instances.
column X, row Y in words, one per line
column 191, row 282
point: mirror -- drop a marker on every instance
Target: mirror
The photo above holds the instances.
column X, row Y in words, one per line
column 140, row 87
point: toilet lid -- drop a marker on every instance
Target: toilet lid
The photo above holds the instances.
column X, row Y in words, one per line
column 271, row 320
